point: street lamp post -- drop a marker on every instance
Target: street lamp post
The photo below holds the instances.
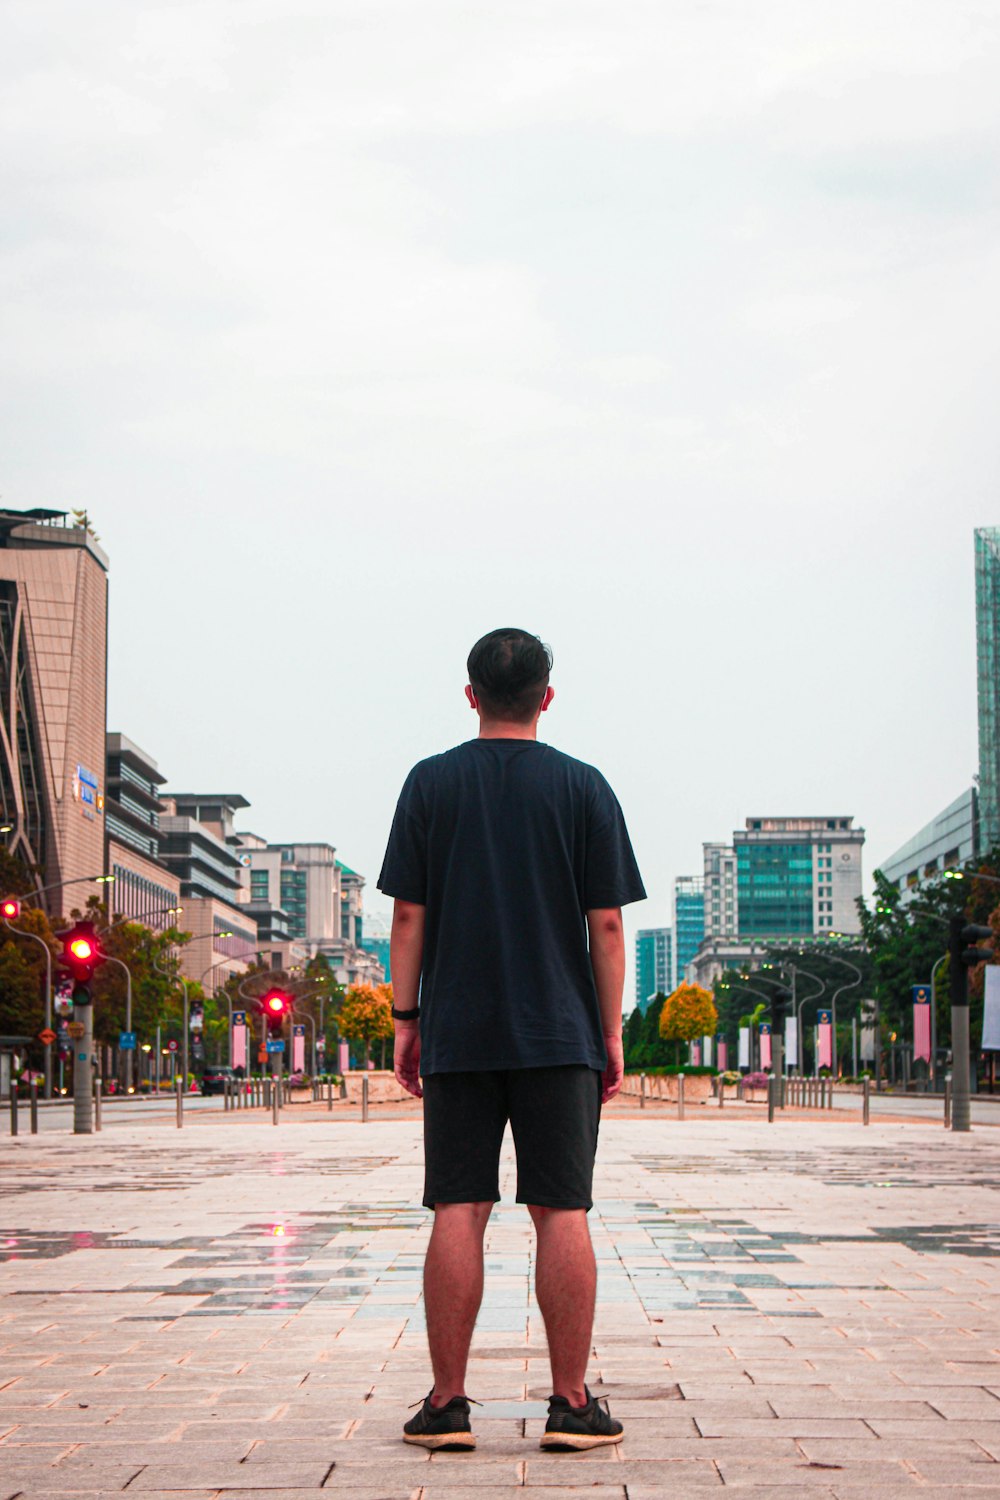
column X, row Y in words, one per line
column 20, row 932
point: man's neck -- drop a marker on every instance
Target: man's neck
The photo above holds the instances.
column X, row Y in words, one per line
column 499, row 729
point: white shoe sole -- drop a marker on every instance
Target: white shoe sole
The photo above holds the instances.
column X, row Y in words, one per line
column 578, row 1440
column 441, row 1439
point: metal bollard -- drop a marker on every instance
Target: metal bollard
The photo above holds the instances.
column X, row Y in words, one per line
column 329, row 1096
column 180, row 1102
column 722, row 1090
column 34, row 1108
column 13, row 1107
column 642, row 1091
column 770, row 1100
column 829, row 1094
column 947, row 1101
column 364, row 1097
column 680, row 1096
column 97, row 1102
column 866, row 1095
column 275, row 1101
column 822, row 1093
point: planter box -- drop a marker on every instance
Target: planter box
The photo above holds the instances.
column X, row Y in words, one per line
column 382, row 1087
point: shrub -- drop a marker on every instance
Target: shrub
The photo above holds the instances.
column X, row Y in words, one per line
column 756, row 1080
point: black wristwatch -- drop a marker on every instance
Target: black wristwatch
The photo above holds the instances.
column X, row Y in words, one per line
column 405, row 1015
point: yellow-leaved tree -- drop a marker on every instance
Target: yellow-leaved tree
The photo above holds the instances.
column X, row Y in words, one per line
column 687, row 1014
column 366, row 1015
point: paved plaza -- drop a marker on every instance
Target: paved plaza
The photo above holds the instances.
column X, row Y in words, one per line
column 234, row 1308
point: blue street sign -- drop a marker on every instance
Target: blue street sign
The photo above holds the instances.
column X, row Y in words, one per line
column 276, row 1046
column 921, row 994
column 239, row 1018
column 823, row 1017
column 126, row 1041
column 764, row 1028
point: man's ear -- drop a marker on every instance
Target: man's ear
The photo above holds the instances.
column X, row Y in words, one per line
column 473, row 703
column 550, row 693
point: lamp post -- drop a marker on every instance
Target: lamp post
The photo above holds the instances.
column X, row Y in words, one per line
column 840, row 990
column 20, row 932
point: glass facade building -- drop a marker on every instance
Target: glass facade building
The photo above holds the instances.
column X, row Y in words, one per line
column 987, row 539
column 689, row 922
column 653, row 964
column 775, row 883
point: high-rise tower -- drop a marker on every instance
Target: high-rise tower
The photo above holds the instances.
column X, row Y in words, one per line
column 988, row 682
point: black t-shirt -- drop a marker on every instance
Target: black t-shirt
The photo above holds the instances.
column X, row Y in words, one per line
column 508, row 844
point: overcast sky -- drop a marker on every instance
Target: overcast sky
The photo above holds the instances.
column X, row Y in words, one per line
column 669, row 332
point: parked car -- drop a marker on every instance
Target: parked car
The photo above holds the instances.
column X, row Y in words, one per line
column 214, row 1080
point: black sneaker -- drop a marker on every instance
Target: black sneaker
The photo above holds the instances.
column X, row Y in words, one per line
column 577, row 1427
column 441, row 1426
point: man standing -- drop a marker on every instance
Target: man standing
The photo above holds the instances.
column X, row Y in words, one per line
column 509, row 863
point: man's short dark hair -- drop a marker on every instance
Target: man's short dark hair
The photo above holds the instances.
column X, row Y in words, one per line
column 509, row 672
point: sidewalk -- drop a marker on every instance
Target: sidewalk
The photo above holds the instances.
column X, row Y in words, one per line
column 235, row 1309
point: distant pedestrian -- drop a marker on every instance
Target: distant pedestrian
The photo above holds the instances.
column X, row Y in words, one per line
column 509, row 863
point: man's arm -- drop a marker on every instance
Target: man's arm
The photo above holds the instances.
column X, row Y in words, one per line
column 406, row 954
column 607, row 959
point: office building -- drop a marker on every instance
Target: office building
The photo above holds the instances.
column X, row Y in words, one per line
column 200, row 846
column 798, row 877
column 987, row 553
column 653, row 964
column 720, row 897
column 376, row 941
column 689, row 922
column 53, row 692
column 321, row 898
column 947, row 842
column 144, row 888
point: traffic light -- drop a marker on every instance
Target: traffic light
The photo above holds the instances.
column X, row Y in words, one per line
column 10, row 909
column 276, row 1005
column 80, row 956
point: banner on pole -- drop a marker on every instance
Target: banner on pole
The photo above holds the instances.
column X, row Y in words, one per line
column 706, row 1050
column 723, row 1055
column 824, row 1031
column 743, row 1050
column 991, row 1010
column 298, row 1049
column 869, row 1016
column 238, row 1040
column 765, row 1044
column 791, row 1041
column 921, row 1021
column 696, row 1054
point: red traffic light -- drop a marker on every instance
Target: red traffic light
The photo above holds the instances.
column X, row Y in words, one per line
column 10, row 909
column 81, row 951
column 276, row 1005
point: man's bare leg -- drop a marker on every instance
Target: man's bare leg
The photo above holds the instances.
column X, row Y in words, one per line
column 566, row 1285
column 453, row 1290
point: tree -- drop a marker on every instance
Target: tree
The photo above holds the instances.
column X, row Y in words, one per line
column 365, row 1016
column 906, row 940
column 688, row 1013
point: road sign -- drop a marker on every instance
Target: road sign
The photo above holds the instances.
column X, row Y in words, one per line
column 126, row 1041
column 76, row 1030
column 46, row 1037
column 276, row 1046
column 172, row 1046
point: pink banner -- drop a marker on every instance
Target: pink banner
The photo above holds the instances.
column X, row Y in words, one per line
column 696, row 1054
column 723, row 1056
column 238, row 1046
column 826, row 1046
column 298, row 1049
column 765, row 1047
column 922, row 1031
column 343, row 1058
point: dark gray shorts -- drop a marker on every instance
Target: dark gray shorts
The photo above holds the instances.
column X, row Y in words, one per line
column 554, row 1115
